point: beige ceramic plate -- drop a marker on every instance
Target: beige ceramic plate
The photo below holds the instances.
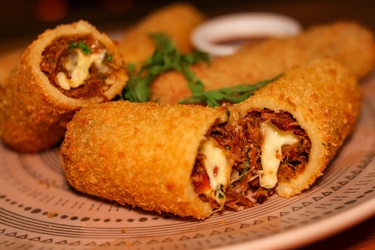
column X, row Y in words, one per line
column 38, row 210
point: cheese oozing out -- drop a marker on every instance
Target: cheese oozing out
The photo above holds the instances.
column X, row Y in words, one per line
column 273, row 140
column 216, row 167
column 78, row 65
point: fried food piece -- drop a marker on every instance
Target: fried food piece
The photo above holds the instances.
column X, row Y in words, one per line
column 140, row 154
column 8, row 62
column 194, row 160
column 348, row 43
column 63, row 70
column 319, row 102
column 176, row 20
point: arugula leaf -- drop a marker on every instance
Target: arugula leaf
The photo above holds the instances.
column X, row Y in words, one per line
column 234, row 94
column 165, row 58
column 136, row 89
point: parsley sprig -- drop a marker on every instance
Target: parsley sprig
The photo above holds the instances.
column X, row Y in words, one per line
column 234, row 94
column 165, row 58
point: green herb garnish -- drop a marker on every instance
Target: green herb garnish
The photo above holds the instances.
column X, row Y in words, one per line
column 165, row 58
column 234, row 94
column 245, row 169
column 83, row 46
column 107, row 57
column 220, row 192
column 136, row 89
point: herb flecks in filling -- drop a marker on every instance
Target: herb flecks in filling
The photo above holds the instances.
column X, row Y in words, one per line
column 243, row 142
column 79, row 66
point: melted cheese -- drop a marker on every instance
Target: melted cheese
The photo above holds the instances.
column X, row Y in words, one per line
column 216, row 167
column 78, row 65
column 273, row 140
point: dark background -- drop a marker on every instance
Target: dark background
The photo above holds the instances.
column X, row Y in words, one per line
column 24, row 19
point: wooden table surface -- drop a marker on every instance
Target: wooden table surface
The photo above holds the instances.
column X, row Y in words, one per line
column 308, row 12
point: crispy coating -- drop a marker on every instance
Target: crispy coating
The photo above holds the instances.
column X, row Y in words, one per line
column 346, row 42
column 325, row 99
column 140, row 154
column 7, row 63
column 176, row 20
column 33, row 112
column 143, row 154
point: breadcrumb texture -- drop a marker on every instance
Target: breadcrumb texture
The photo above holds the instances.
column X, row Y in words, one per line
column 346, row 42
column 176, row 20
column 140, row 154
column 325, row 99
column 7, row 63
column 34, row 113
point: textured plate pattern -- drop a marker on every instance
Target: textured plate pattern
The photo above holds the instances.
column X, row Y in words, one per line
column 38, row 209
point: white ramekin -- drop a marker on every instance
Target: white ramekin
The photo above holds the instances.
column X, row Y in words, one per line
column 252, row 24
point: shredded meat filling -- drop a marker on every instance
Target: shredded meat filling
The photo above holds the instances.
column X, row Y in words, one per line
column 54, row 59
column 244, row 141
column 201, row 182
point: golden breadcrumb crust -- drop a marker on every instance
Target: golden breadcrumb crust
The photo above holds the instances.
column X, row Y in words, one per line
column 143, row 154
column 324, row 98
column 176, row 20
column 140, row 154
column 346, row 42
column 34, row 112
column 7, row 63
